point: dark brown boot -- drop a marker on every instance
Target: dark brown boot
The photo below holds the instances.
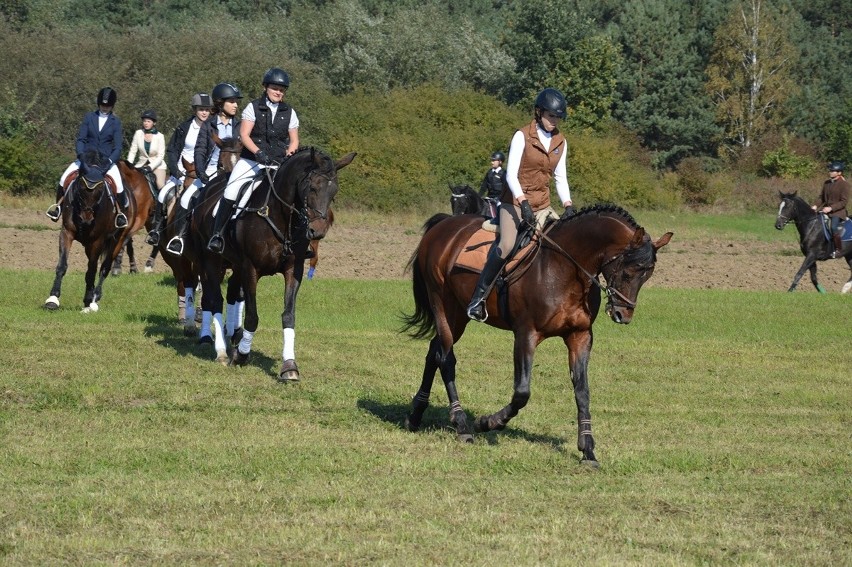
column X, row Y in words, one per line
column 838, row 246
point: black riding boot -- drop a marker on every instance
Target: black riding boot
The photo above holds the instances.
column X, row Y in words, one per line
column 217, row 243
column 123, row 204
column 175, row 245
column 493, row 265
column 838, row 245
column 157, row 225
column 54, row 211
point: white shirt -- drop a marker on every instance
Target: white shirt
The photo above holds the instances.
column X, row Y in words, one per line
column 248, row 114
column 189, row 143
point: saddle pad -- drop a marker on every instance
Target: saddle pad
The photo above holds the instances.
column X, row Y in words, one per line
column 475, row 251
column 846, row 225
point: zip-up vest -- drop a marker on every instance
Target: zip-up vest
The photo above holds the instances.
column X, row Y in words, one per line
column 271, row 137
column 536, row 169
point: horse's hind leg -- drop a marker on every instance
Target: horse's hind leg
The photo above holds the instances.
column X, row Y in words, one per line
column 131, row 257
column 152, row 257
column 457, row 415
column 116, row 265
column 813, row 270
column 523, row 357
column 421, row 399
column 809, row 263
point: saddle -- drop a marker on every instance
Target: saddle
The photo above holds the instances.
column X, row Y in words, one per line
column 845, row 226
column 110, row 182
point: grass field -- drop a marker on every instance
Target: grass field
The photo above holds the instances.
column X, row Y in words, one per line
column 722, row 421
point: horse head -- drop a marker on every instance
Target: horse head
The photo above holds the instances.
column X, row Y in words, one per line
column 89, row 186
column 229, row 152
column 792, row 208
column 191, row 174
column 317, row 188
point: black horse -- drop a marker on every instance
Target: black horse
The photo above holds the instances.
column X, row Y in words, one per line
column 812, row 238
column 270, row 235
column 464, row 200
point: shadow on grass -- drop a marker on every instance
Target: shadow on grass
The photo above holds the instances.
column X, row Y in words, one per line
column 437, row 418
column 170, row 335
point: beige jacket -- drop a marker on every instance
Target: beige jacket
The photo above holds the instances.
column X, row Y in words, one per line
column 154, row 158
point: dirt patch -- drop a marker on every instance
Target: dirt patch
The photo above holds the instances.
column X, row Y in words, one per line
column 29, row 240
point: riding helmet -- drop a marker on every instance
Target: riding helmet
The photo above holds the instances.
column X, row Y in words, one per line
column 276, row 76
column 836, row 166
column 107, row 96
column 202, row 100
column 499, row 156
column 224, row 91
column 552, row 100
column 149, row 114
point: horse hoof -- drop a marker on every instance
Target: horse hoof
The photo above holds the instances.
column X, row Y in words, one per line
column 466, row 437
column 116, row 272
column 237, row 336
column 590, row 464
column 52, row 303
column 134, row 271
column 92, row 308
column 410, row 425
column 480, row 424
column 238, row 358
column 205, row 340
column 289, row 372
column 223, row 359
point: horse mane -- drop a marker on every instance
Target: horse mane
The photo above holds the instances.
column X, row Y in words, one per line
column 608, row 209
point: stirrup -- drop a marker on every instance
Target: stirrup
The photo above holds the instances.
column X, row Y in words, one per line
column 120, row 220
column 53, row 212
column 216, row 244
column 477, row 311
column 175, row 246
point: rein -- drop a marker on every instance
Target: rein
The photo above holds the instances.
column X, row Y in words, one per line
column 607, row 289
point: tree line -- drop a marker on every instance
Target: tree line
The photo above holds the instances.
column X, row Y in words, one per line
column 674, row 91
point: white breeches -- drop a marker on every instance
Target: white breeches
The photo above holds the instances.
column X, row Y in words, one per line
column 112, row 172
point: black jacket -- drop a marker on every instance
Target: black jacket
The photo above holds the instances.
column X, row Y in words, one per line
column 205, row 144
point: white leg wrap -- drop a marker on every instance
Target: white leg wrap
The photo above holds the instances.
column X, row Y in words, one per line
column 245, row 343
column 218, row 337
column 289, row 352
column 189, row 298
column 241, row 313
column 230, row 319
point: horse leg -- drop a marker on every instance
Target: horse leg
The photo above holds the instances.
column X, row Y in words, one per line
column 131, row 257
column 116, row 265
column 248, row 280
column 233, row 323
column 211, row 302
column 65, row 240
column 89, row 301
column 97, row 293
column 421, row 400
column 189, row 325
column 806, row 265
column 312, row 265
column 579, row 349
column 813, row 270
column 523, row 357
column 292, row 279
column 848, row 285
column 149, row 263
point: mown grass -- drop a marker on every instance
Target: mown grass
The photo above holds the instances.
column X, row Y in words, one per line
column 722, row 422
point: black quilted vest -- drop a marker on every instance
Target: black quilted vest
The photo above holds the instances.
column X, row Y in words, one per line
column 272, row 137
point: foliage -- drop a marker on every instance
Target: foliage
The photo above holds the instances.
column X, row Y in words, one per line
column 22, row 169
column 749, row 72
column 786, row 163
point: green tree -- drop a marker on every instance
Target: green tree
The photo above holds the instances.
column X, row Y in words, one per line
column 749, row 72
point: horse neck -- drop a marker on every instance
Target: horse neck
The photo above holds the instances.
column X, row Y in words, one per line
column 591, row 239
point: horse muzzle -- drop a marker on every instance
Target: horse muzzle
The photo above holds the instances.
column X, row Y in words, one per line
column 621, row 314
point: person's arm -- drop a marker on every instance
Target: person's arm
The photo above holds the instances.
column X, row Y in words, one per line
column 483, row 187
column 134, row 147
column 246, row 126
column 560, row 177
column 516, row 150
column 82, row 137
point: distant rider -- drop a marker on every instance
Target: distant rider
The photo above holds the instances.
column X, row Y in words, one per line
column 832, row 201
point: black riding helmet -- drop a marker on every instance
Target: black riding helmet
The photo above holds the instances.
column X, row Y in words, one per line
column 836, row 166
column 276, row 76
column 224, row 91
column 107, row 97
column 498, row 156
column 149, row 114
column 552, row 100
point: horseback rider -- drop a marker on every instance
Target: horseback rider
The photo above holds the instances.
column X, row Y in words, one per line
column 269, row 132
column 181, row 145
column 832, row 202
column 494, row 181
column 100, row 131
column 148, row 148
column 536, row 155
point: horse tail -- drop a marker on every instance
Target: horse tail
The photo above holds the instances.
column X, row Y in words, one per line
column 421, row 323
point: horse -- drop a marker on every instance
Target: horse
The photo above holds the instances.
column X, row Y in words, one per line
column 553, row 292
column 90, row 220
column 270, row 234
column 145, row 207
column 812, row 238
column 464, row 200
column 314, row 247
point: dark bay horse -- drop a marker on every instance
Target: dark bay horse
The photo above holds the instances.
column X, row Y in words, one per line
column 270, row 235
column 464, row 200
column 812, row 238
column 90, row 220
column 556, row 293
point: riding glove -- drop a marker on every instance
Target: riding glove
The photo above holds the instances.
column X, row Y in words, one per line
column 203, row 177
column 567, row 213
column 527, row 213
column 261, row 157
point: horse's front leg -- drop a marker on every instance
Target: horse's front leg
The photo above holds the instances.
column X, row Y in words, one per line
column 292, row 280
column 65, row 240
column 809, row 263
column 236, row 305
column 579, row 350
column 523, row 355
column 90, row 304
column 131, row 257
column 248, row 281
column 110, row 251
column 211, row 307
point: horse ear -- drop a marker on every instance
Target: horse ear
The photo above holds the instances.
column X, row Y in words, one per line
column 638, row 238
column 345, row 160
column 664, row 239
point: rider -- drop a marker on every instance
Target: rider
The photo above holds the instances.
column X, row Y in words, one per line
column 100, row 131
column 181, row 145
column 148, row 148
column 494, row 181
column 536, row 155
column 832, row 201
column 269, row 132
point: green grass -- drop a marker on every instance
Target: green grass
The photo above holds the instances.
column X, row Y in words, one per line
column 722, row 422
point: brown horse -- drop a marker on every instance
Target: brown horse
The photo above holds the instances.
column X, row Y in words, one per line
column 90, row 220
column 270, row 235
column 553, row 292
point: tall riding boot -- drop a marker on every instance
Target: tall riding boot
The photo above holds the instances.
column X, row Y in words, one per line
column 54, row 211
column 217, row 243
column 123, row 204
column 175, row 245
column 838, row 245
column 157, row 225
column 493, row 265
